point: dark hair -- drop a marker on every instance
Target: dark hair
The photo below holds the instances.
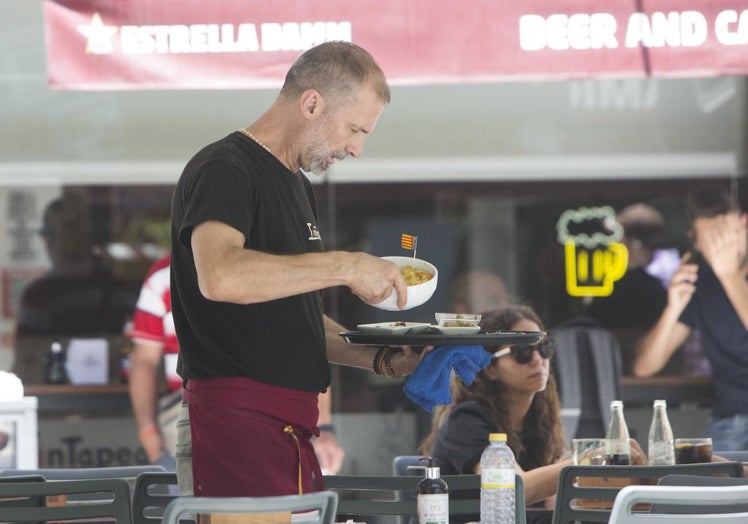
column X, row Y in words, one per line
column 709, row 202
column 644, row 223
column 336, row 70
column 541, row 436
column 67, row 214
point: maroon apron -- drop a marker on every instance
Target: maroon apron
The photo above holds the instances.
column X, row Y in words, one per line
column 252, row 439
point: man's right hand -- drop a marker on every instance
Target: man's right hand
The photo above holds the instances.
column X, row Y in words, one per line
column 374, row 279
column 682, row 284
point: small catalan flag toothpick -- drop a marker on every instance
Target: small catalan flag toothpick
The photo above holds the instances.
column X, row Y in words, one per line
column 409, row 242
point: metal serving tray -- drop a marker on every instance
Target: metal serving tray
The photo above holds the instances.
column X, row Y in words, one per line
column 490, row 338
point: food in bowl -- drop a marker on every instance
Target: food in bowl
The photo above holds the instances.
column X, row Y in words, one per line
column 418, row 293
column 458, row 323
column 414, row 276
column 457, row 319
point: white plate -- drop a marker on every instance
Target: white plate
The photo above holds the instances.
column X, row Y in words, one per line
column 394, row 328
column 457, row 330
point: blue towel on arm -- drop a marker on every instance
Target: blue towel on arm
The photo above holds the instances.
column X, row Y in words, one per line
column 429, row 383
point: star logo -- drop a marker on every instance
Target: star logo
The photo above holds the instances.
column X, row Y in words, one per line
column 99, row 36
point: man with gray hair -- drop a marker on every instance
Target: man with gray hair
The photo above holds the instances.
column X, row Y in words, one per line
column 248, row 271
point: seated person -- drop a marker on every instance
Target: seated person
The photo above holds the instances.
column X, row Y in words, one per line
column 77, row 298
column 510, row 396
column 638, row 298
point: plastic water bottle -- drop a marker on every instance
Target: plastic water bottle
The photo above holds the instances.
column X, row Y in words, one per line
column 660, row 451
column 497, row 482
column 617, row 445
column 432, row 497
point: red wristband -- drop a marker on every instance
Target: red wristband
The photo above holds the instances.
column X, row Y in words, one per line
column 148, row 429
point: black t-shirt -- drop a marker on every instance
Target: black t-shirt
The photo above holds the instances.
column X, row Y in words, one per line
column 460, row 443
column 463, row 437
column 725, row 342
column 637, row 301
column 635, row 305
column 280, row 342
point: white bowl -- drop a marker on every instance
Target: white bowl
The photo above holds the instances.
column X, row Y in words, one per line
column 417, row 294
column 457, row 319
column 394, row 328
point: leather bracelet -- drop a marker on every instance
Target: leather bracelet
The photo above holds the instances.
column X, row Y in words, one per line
column 376, row 364
column 327, row 427
column 387, row 362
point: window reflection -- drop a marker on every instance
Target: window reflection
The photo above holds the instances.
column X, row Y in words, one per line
column 85, row 297
column 102, row 239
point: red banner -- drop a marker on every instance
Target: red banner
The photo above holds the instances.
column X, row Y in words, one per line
column 231, row 44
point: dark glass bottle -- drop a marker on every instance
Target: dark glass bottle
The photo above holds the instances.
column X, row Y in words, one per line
column 56, row 371
column 433, row 497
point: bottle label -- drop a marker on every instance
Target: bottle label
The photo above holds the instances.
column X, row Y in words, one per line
column 497, row 478
column 433, row 508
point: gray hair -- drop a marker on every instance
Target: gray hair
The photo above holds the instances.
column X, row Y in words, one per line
column 336, row 70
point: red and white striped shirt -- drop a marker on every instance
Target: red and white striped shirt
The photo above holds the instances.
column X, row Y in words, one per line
column 153, row 323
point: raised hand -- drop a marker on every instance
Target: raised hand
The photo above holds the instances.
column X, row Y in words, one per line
column 723, row 241
column 682, row 284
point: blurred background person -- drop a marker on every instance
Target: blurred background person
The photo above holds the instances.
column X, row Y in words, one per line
column 475, row 291
column 156, row 387
column 638, row 298
column 153, row 368
column 79, row 297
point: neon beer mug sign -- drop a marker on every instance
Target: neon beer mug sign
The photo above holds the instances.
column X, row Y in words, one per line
column 594, row 257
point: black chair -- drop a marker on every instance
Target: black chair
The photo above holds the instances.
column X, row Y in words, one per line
column 106, row 499
column 588, row 369
column 35, row 502
column 407, row 465
column 586, row 493
column 377, row 495
column 153, row 491
column 126, row 473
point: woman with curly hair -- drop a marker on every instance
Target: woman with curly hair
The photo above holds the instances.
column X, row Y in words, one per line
column 515, row 394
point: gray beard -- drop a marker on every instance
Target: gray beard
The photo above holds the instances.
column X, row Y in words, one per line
column 318, row 163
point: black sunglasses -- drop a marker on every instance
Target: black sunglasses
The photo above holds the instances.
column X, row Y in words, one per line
column 523, row 354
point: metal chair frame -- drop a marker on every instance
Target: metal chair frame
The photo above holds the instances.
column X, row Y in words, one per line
column 112, row 500
column 714, row 498
column 153, row 491
column 325, row 502
column 569, row 491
